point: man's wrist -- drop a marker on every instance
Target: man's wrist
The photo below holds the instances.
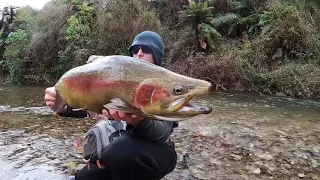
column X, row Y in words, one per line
column 135, row 122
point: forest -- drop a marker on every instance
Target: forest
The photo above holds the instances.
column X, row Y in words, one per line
column 267, row 47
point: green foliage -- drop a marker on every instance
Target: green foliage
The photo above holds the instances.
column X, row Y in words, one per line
column 246, row 16
column 242, row 7
column 226, row 23
column 114, row 29
column 310, row 4
column 208, row 34
column 282, row 36
column 196, row 10
column 268, row 46
column 201, row 16
column 284, row 57
column 80, row 25
column 17, row 42
column 48, row 41
column 198, row 13
column 78, row 35
column 25, row 20
column 7, row 17
column 166, row 11
column 309, row 20
column 278, row 13
column 222, row 20
column 15, row 55
column 292, row 80
column 289, row 80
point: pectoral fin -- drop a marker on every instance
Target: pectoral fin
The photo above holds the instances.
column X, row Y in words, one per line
column 120, row 105
column 59, row 104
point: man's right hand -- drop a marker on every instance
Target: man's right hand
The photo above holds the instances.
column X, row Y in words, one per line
column 119, row 116
column 50, row 98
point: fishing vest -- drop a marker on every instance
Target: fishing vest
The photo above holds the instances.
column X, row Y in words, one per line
column 96, row 140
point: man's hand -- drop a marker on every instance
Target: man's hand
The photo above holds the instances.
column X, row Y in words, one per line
column 118, row 116
column 50, row 97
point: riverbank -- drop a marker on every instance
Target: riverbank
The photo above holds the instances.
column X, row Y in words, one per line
column 243, row 67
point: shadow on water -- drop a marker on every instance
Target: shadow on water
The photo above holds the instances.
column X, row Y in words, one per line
column 245, row 137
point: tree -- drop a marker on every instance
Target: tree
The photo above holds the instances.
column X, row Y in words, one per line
column 7, row 17
column 204, row 24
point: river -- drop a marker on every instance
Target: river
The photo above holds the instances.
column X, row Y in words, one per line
column 247, row 136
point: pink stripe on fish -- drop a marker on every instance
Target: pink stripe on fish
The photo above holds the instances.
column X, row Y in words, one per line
column 87, row 83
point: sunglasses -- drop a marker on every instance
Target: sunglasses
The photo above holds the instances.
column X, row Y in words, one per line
column 144, row 49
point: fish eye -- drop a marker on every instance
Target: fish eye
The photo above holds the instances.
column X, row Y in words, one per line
column 178, row 90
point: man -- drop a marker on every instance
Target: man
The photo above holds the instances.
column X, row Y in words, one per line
column 145, row 151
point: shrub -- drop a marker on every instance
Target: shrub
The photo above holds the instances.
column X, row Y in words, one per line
column 14, row 55
column 17, row 45
column 114, row 29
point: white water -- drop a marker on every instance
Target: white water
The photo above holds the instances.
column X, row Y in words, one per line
column 23, row 161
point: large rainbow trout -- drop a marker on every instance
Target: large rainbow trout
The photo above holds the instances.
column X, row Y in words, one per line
column 133, row 86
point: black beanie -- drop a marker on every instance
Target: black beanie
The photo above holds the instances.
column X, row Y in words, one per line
column 153, row 41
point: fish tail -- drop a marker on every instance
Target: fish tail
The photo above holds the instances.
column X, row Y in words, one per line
column 59, row 104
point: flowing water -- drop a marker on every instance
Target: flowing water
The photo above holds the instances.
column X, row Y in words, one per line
column 245, row 137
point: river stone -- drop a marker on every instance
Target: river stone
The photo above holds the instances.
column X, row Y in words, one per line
column 253, row 170
column 301, row 175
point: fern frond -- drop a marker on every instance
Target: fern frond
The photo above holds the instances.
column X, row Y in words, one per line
column 228, row 18
column 207, row 31
column 250, row 20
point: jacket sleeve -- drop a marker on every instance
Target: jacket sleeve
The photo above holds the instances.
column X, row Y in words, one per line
column 76, row 114
column 154, row 130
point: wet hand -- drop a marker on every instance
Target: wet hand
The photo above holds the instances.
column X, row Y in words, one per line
column 50, row 98
column 118, row 116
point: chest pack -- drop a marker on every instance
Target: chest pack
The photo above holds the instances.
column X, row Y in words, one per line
column 97, row 139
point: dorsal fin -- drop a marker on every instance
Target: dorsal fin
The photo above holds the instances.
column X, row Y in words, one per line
column 93, row 58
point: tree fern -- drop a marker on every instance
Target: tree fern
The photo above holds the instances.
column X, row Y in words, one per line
column 207, row 35
column 195, row 10
column 200, row 9
column 7, row 17
column 196, row 13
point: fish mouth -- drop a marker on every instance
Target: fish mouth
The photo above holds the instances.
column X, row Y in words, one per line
column 184, row 106
column 191, row 107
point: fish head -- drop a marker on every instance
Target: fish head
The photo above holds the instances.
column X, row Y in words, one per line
column 169, row 99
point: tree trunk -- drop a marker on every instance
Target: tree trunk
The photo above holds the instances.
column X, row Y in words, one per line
column 196, row 31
